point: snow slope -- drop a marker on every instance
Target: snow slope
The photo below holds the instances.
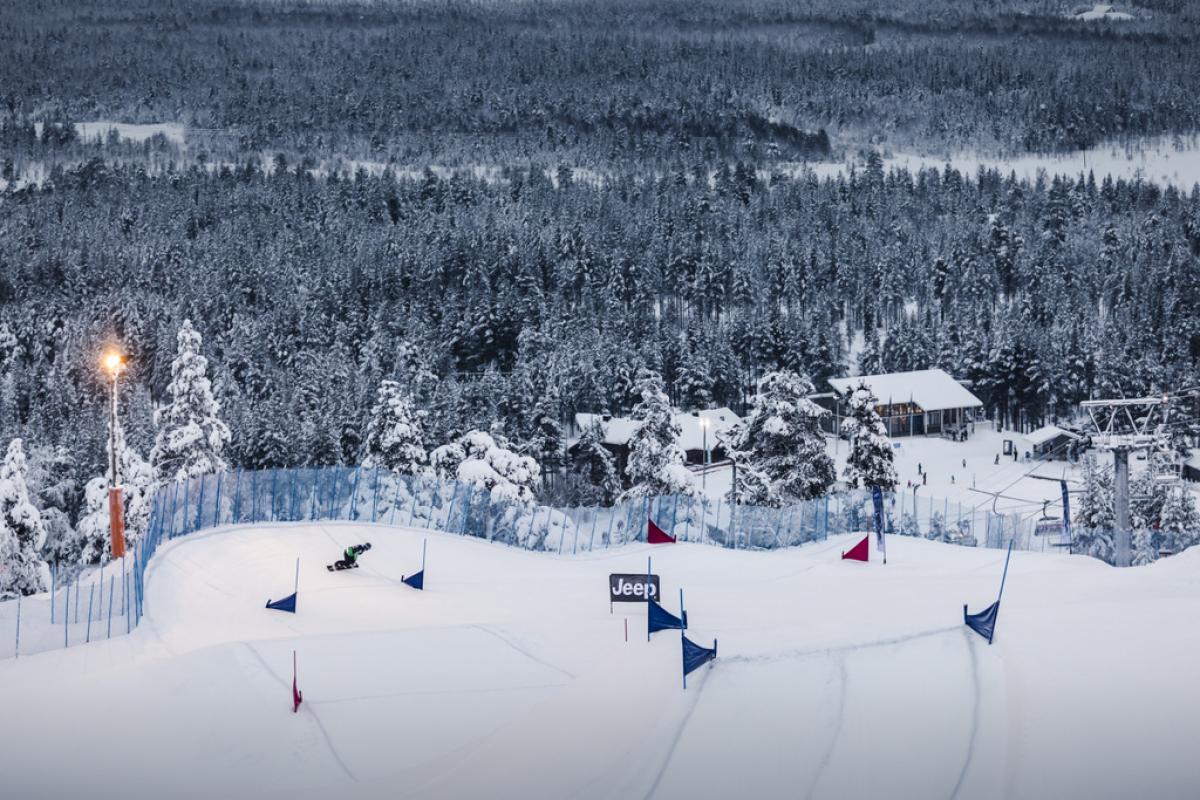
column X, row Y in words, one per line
column 508, row 677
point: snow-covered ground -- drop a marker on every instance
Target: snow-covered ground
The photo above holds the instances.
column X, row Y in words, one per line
column 509, row 677
column 950, row 482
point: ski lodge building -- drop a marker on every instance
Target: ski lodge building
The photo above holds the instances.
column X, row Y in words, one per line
column 698, row 428
column 920, row 403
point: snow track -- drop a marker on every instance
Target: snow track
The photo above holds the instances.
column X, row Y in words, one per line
column 509, row 677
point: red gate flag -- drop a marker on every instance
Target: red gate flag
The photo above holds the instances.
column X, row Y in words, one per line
column 858, row 552
column 297, row 696
column 656, row 535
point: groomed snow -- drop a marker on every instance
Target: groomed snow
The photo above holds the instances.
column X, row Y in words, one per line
column 509, row 678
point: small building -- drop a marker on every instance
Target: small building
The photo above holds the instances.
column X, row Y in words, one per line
column 1100, row 13
column 698, row 429
column 1051, row 442
column 919, row 403
column 1191, row 467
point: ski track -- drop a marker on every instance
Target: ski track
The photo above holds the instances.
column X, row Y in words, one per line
column 975, row 713
column 320, row 725
column 784, row 655
column 843, row 678
column 523, row 651
column 662, row 770
column 433, row 692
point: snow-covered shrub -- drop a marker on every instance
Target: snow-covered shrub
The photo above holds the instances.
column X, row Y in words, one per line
column 22, row 532
column 93, row 530
column 476, row 460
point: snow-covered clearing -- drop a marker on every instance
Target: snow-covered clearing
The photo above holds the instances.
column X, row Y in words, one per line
column 1165, row 160
column 508, row 677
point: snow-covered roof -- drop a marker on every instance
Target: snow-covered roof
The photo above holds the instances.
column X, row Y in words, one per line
column 719, row 420
column 931, row 389
column 1048, row 433
column 618, row 430
column 1104, row 12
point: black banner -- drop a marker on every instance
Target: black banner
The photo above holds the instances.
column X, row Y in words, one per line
column 631, row 588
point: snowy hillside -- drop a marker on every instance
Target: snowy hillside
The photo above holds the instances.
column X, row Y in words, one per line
column 509, row 677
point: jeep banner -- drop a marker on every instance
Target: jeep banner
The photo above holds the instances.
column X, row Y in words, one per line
column 631, row 588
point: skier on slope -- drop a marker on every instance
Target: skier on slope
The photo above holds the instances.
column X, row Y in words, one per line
column 349, row 558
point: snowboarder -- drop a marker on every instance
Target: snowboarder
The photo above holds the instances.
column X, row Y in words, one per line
column 349, row 558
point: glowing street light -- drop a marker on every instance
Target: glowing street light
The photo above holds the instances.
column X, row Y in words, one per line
column 114, row 362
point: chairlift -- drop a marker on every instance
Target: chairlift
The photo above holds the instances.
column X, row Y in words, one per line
column 1167, row 467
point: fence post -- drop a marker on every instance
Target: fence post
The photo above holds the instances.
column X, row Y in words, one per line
column 274, row 478
column 253, row 496
column 449, row 511
column 91, row 597
column 200, row 505
column 352, row 511
column 375, row 497
column 186, row 488
column 294, row 505
column 235, row 505
column 217, row 507
column 112, row 589
column 687, row 520
column 467, row 512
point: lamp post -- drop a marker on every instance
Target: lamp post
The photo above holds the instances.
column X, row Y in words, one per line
column 704, row 473
column 114, row 362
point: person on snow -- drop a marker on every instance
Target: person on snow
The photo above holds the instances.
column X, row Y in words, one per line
column 350, row 557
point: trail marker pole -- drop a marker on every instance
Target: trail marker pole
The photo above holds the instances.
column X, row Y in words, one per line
column 648, row 598
column 17, row 649
column 682, row 617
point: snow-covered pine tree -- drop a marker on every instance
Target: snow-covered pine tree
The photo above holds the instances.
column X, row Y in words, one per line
column 1096, row 503
column 594, row 469
column 782, row 439
column 1180, row 520
column 547, row 441
column 191, row 436
column 395, row 435
column 656, row 464
column 22, row 533
column 1094, row 521
column 872, row 460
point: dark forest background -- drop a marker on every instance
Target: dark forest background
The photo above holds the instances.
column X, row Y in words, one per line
column 640, row 207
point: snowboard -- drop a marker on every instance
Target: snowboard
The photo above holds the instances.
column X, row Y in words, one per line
column 336, row 566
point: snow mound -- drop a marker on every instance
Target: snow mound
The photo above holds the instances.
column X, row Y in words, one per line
column 509, row 676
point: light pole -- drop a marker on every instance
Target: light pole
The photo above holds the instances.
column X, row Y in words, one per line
column 114, row 362
column 704, row 472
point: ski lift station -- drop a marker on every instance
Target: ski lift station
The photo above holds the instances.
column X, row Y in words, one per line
column 921, row 403
column 1051, row 442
